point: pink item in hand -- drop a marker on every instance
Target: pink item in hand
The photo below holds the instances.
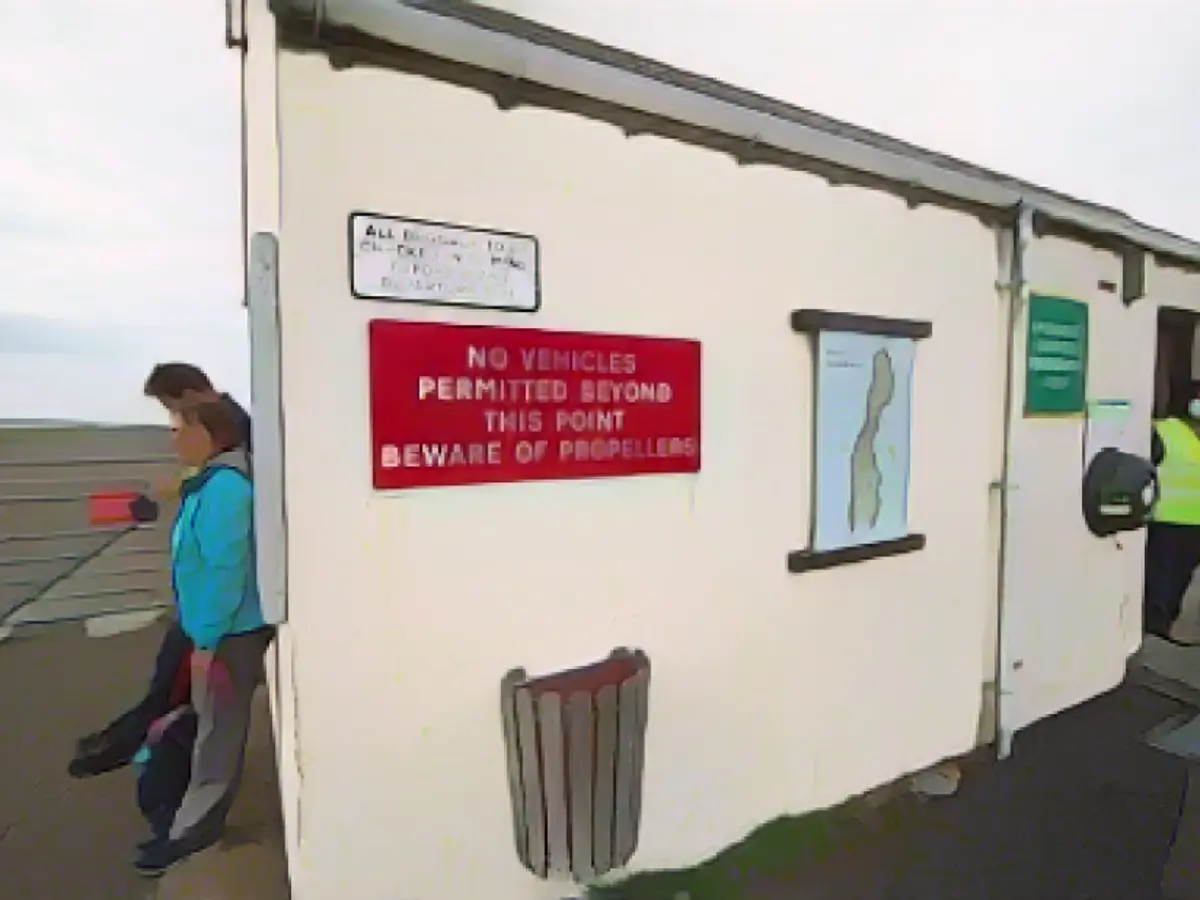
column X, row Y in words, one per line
column 159, row 726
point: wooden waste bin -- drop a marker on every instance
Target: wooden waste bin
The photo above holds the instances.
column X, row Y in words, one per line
column 575, row 743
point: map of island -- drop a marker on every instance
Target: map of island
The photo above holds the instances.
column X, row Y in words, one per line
column 863, row 423
column 866, row 478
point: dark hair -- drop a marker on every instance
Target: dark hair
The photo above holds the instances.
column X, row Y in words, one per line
column 172, row 380
column 218, row 418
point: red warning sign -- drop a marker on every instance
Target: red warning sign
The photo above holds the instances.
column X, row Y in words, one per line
column 470, row 404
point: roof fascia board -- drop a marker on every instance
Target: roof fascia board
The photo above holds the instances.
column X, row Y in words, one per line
column 486, row 38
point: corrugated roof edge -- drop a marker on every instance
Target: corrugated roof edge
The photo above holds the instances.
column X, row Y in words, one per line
column 465, row 32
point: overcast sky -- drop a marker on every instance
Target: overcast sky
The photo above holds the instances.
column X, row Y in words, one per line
column 119, row 159
column 119, row 204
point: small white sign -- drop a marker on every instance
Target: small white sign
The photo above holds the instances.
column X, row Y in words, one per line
column 1108, row 425
column 409, row 260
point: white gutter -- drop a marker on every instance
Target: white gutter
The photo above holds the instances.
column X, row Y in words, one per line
column 507, row 44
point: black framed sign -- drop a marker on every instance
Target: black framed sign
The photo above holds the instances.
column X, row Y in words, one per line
column 404, row 260
column 862, row 422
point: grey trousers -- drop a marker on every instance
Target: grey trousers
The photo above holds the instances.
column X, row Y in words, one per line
column 222, row 728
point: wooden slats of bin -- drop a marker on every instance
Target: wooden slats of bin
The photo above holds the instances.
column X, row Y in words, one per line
column 605, row 778
column 516, row 791
column 575, row 747
column 581, row 778
column 554, row 782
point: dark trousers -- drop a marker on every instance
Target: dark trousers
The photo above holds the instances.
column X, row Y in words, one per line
column 164, row 778
column 1172, row 555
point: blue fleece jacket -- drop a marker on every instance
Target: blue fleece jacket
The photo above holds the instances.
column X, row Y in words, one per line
column 212, row 553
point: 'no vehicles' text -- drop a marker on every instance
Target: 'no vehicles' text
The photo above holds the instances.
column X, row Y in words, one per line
column 456, row 404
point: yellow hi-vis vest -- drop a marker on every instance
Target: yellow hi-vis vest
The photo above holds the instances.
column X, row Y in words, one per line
column 1178, row 474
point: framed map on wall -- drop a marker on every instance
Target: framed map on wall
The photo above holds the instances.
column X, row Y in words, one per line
column 862, row 423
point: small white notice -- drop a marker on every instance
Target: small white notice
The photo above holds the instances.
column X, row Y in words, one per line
column 414, row 261
column 1108, row 425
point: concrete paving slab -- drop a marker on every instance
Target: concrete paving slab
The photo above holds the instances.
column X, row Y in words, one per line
column 1179, row 735
column 62, row 839
column 1171, row 662
column 65, row 839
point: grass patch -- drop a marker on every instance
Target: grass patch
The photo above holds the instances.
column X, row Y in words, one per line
column 782, row 847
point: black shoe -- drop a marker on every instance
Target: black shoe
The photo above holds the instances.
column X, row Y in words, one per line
column 144, row 845
column 161, row 855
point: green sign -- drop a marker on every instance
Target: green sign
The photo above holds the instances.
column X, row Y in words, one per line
column 1056, row 354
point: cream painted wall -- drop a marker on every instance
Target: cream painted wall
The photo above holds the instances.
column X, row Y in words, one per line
column 771, row 693
column 1072, row 610
column 1167, row 286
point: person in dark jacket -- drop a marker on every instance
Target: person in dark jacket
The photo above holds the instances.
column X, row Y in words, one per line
column 113, row 747
column 164, row 763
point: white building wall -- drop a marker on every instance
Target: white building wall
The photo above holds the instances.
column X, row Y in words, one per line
column 1072, row 607
column 772, row 693
column 1170, row 286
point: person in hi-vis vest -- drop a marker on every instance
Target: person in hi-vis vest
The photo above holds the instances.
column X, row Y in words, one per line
column 1173, row 535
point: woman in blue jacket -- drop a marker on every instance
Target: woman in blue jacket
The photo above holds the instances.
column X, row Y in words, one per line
column 216, row 594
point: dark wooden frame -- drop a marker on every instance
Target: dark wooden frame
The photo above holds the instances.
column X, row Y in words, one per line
column 812, row 322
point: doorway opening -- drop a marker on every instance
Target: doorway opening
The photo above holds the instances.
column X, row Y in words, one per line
column 1176, row 362
column 1172, row 593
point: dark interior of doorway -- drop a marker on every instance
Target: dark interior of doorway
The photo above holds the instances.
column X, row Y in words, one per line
column 1174, row 379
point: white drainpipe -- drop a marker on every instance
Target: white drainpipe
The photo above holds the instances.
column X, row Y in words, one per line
column 1013, row 243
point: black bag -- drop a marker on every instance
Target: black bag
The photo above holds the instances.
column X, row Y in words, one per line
column 111, row 748
column 117, row 744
